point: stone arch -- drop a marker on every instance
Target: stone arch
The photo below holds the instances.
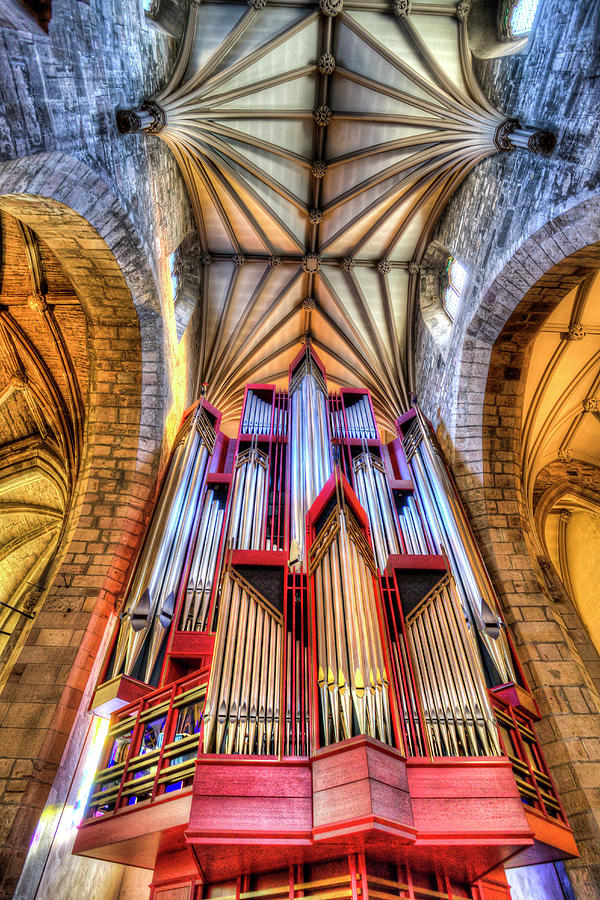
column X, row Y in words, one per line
column 561, row 663
column 76, row 214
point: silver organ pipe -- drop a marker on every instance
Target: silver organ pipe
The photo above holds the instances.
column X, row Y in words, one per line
column 351, row 673
column 333, row 611
column 373, row 491
column 242, row 711
column 257, row 415
column 452, row 536
column 458, row 714
column 247, row 529
column 202, row 573
column 151, row 598
column 309, row 445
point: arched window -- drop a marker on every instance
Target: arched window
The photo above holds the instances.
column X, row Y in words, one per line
column 175, row 271
column 516, row 18
column 454, row 279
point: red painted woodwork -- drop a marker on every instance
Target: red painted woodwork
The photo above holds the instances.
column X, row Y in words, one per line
column 300, row 355
column 219, row 478
column 466, row 800
column 240, row 800
column 133, row 835
column 326, row 494
column 258, row 557
column 417, row 561
column 117, row 693
column 196, row 644
column 360, row 785
column 553, row 840
column 516, row 696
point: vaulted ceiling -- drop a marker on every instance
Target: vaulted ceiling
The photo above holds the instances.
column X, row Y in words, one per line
column 561, row 443
column 319, row 143
column 43, row 380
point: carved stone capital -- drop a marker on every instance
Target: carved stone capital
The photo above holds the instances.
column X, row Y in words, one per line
column 463, row 8
column 128, row 121
column 331, row 7
column 158, row 114
column 322, row 116
column 402, row 8
column 542, row 142
column 326, row 64
column 311, row 262
column 37, row 302
column 576, row 332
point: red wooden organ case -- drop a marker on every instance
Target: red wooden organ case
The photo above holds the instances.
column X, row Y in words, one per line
column 311, row 690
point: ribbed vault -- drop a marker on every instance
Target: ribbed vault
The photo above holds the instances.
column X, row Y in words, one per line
column 561, row 442
column 43, row 377
column 320, row 143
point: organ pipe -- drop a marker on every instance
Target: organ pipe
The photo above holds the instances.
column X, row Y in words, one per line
column 457, row 710
column 451, row 535
column 151, row 599
column 248, row 506
column 331, row 657
column 351, row 673
column 202, row 571
column 242, row 712
column 375, row 497
column 309, row 444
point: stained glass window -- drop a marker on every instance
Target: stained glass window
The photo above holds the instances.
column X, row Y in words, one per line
column 175, row 263
column 516, row 18
column 521, row 17
column 453, row 283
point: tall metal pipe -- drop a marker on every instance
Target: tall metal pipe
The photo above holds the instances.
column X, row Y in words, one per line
column 309, row 445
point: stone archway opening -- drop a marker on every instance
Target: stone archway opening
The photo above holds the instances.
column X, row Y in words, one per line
column 47, row 672
column 488, row 445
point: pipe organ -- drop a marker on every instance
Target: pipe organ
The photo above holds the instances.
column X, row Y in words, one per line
column 310, row 673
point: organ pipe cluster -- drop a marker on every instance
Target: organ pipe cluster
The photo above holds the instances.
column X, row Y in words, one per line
column 249, row 498
column 351, row 671
column 457, row 710
column 331, row 645
column 242, row 712
column 449, row 534
column 150, row 604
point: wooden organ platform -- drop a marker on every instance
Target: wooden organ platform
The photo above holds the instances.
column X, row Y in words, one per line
column 311, row 690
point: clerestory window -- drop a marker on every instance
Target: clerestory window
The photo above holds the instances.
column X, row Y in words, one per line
column 516, row 18
column 454, row 279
